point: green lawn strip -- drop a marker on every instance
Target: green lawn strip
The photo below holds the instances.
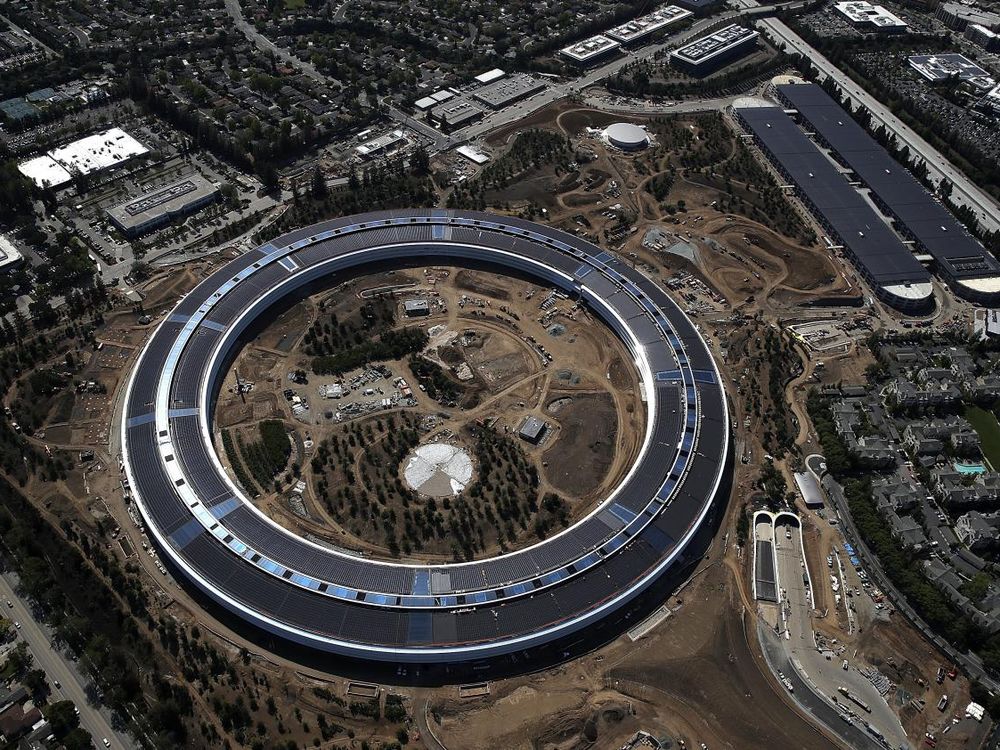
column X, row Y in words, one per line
column 986, row 425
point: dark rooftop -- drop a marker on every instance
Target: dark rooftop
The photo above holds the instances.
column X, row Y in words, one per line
column 933, row 226
column 887, row 260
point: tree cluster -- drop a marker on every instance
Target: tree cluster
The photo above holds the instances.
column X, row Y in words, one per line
column 391, row 344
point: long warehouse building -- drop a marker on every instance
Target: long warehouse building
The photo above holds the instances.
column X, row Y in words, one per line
column 881, row 258
column 961, row 260
column 433, row 614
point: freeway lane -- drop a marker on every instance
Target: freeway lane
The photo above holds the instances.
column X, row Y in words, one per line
column 60, row 669
column 965, row 191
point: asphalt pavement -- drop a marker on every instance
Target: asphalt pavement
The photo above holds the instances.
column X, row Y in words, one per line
column 825, row 675
column 807, row 699
column 59, row 668
column 266, row 45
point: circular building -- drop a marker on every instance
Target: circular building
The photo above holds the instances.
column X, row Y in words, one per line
column 626, row 136
column 329, row 599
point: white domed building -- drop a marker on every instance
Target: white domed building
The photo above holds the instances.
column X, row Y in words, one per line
column 626, row 136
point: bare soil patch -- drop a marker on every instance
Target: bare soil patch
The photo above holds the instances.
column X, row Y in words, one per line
column 583, row 451
column 479, row 283
column 576, row 120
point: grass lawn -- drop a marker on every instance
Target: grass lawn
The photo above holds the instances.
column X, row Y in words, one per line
column 985, row 423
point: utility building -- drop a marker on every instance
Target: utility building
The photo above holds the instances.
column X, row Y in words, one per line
column 416, row 307
column 532, row 429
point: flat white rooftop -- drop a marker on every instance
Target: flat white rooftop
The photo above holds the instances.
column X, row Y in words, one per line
column 8, row 253
column 44, row 171
column 442, row 96
column 589, row 48
column 971, row 14
column 456, row 112
column 381, row 143
column 715, row 44
column 477, row 157
column 85, row 156
column 491, row 75
column 914, row 292
column 984, row 30
column 862, row 12
column 645, row 25
column 951, row 65
column 508, row 90
column 987, row 284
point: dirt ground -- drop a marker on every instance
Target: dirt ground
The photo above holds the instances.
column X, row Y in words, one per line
column 582, row 456
column 520, row 349
column 695, row 678
column 905, row 660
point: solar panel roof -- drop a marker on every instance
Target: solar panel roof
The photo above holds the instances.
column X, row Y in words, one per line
column 957, row 253
column 884, row 256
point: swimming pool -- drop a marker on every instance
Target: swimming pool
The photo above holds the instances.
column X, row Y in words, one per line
column 968, row 468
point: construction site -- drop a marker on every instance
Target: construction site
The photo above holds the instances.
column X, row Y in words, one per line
column 511, row 369
column 499, row 352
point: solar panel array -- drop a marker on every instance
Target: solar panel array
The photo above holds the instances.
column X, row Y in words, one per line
column 356, row 605
column 876, row 250
column 924, row 219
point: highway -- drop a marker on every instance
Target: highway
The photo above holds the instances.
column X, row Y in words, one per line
column 971, row 667
column 964, row 191
column 59, row 669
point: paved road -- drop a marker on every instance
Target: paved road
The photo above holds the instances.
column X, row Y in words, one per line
column 427, row 736
column 266, row 45
column 441, row 141
column 644, row 107
column 836, row 494
column 59, row 669
column 592, row 76
column 27, row 34
column 823, row 674
column 808, row 700
column 964, row 192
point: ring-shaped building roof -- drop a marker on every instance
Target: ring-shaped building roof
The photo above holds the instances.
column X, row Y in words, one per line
column 335, row 601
